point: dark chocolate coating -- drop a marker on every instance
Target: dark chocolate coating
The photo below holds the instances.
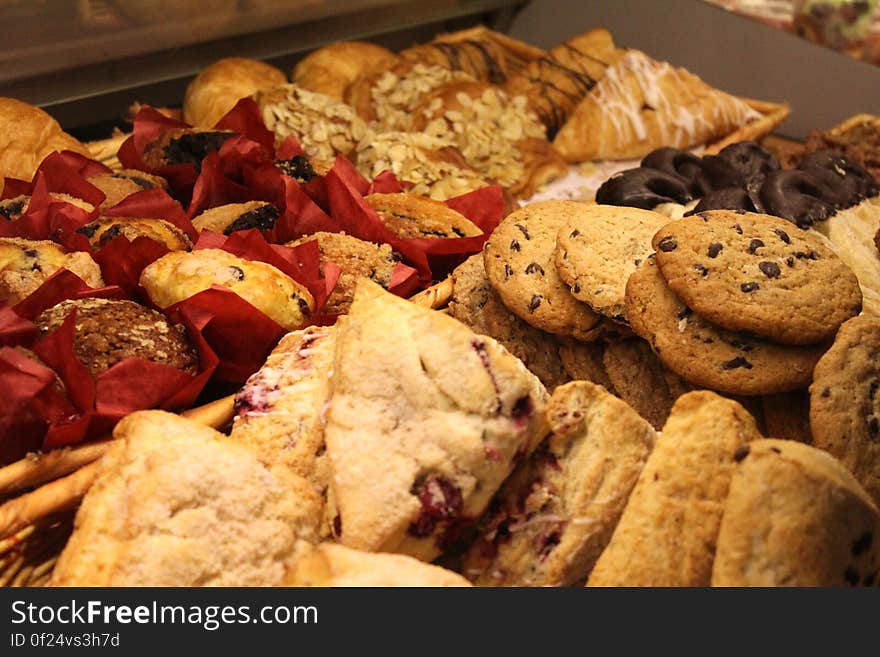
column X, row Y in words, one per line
column 750, row 160
column 854, row 182
column 798, row 196
column 729, row 198
column 676, row 162
column 643, row 188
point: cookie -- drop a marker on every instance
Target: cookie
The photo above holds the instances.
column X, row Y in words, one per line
column 426, row 421
column 477, row 305
column 640, row 379
column 666, row 535
column 583, row 362
column 557, row 511
column 26, row 264
column 705, row 354
column 356, row 258
column 520, row 262
column 795, row 516
column 176, row 503
column 336, row 565
column 103, row 231
column 108, row 331
column 599, row 247
column 750, row 272
column 786, row 415
column 410, row 216
column 229, row 218
column 180, row 274
column 844, row 404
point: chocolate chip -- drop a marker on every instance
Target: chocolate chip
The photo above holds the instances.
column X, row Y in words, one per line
column 523, row 230
column 862, row 544
column 826, row 393
column 736, row 363
column 237, row 272
column 781, row 234
column 574, row 233
column 740, row 453
column 535, row 302
column 789, row 261
column 637, row 262
column 851, row 575
column 714, row 249
column 514, row 245
column 337, row 526
column 748, row 287
column 668, row 244
column 740, row 344
column 303, row 304
column 874, row 428
column 738, row 228
column 508, row 271
column 576, row 288
column 684, row 312
column 704, row 271
column 534, row 267
column 769, row 269
column 754, row 245
column 32, row 253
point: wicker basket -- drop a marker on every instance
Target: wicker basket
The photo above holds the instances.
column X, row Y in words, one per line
column 39, row 495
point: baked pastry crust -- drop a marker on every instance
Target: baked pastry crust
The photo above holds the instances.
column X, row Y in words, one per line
column 411, row 216
column 216, row 89
column 105, row 229
column 231, row 217
column 330, row 69
column 27, row 136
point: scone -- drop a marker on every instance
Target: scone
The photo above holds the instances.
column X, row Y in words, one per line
column 280, row 411
column 26, row 264
column 330, row 69
column 227, row 219
column 410, row 216
column 796, row 517
column 217, row 88
column 426, row 421
column 103, row 231
column 13, row 208
column 334, row 565
column 666, row 535
column 180, row 274
column 356, row 258
column 177, row 504
column 557, row 511
column 183, row 146
column 120, row 184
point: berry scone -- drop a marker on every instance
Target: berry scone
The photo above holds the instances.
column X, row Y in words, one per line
column 426, row 421
column 557, row 511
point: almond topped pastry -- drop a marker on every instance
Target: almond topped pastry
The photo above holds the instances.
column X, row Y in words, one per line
column 498, row 135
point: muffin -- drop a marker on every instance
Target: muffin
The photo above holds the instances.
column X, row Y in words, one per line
column 184, row 146
column 108, row 331
column 105, row 229
column 12, row 208
column 357, row 259
column 229, row 218
column 179, row 275
column 409, row 216
column 118, row 185
column 26, row 264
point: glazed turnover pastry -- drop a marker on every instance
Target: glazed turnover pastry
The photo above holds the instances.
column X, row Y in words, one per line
column 25, row 264
column 336, row 565
column 556, row 82
column 641, row 104
column 178, row 504
column 425, row 423
column 106, row 229
column 410, row 216
column 497, row 135
column 229, row 218
column 324, row 126
column 330, row 69
column 436, row 167
column 216, row 89
column 557, row 511
column 509, row 56
column 180, row 274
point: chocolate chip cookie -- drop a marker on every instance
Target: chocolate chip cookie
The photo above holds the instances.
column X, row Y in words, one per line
column 476, row 304
column 751, row 272
column 706, row 354
column 844, row 401
column 520, row 264
column 599, row 247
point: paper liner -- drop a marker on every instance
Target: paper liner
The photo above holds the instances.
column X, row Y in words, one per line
column 64, row 172
column 434, row 258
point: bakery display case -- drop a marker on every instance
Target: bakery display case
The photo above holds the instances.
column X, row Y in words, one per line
column 448, row 293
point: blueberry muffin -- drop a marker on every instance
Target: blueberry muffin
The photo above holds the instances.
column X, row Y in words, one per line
column 106, row 229
column 108, row 331
column 179, row 275
column 26, row 264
